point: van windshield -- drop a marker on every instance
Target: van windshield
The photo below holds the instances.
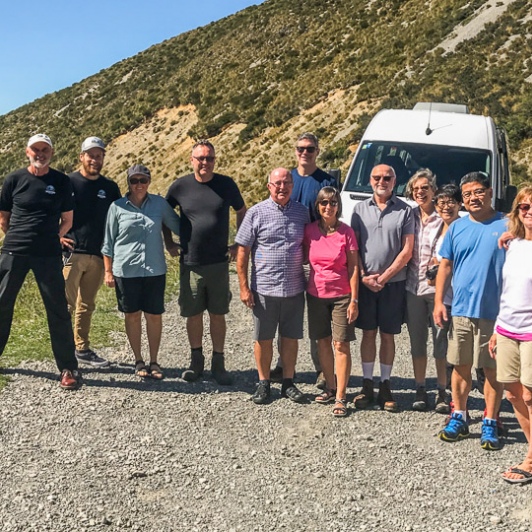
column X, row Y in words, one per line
column 449, row 163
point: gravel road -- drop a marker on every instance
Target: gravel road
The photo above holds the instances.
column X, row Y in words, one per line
column 122, row 454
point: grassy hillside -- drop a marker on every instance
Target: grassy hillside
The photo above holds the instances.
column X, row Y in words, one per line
column 255, row 79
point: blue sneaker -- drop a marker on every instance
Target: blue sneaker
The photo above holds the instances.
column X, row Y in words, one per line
column 490, row 435
column 456, row 429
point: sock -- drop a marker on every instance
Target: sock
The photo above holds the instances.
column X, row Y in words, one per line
column 489, row 419
column 287, row 383
column 217, row 353
column 420, row 385
column 367, row 370
column 386, row 372
column 462, row 413
column 196, row 351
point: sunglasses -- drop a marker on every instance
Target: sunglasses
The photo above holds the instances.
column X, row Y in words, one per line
column 524, row 207
column 279, row 184
column 137, row 180
column 379, row 177
column 422, row 188
column 309, row 149
column 206, row 159
column 332, row 203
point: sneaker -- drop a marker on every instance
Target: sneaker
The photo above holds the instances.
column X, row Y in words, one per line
column 489, row 439
column 276, row 374
column 451, row 412
column 502, row 430
column 443, row 401
column 195, row 370
column 421, row 402
column 70, row 379
column 456, row 429
column 321, row 383
column 262, row 393
column 88, row 356
column 218, row 371
column 385, row 398
column 366, row 396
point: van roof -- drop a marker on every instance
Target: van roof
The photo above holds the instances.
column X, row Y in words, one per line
column 447, row 129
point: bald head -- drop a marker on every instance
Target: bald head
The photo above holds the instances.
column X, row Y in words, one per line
column 280, row 185
column 382, row 181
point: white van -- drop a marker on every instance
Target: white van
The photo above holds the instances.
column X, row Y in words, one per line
column 442, row 137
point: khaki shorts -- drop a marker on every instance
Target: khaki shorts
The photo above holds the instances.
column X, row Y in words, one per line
column 514, row 361
column 468, row 342
column 204, row 288
column 328, row 317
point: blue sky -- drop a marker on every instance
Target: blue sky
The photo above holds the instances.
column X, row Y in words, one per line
column 47, row 46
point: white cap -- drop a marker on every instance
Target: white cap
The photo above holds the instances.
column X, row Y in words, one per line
column 92, row 142
column 40, row 137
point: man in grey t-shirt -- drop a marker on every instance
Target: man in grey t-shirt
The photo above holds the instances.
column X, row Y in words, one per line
column 384, row 227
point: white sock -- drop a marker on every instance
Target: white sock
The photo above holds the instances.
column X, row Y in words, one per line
column 367, row 370
column 462, row 413
column 386, row 372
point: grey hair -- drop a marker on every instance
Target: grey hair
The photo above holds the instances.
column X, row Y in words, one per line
column 422, row 173
column 309, row 136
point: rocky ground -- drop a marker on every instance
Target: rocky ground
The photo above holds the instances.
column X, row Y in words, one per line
column 122, row 454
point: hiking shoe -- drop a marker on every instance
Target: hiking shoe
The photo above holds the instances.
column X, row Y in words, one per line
column 321, row 383
column 421, row 402
column 218, row 371
column 195, row 371
column 294, row 394
column 385, row 398
column 451, row 411
column 366, row 396
column 502, row 430
column 262, row 393
column 88, row 356
column 443, row 402
column 456, row 429
column 489, row 439
column 70, row 379
column 276, row 374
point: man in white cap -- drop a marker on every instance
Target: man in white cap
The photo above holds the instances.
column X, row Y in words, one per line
column 83, row 263
column 35, row 212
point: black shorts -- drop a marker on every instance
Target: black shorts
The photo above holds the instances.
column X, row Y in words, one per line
column 384, row 310
column 140, row 293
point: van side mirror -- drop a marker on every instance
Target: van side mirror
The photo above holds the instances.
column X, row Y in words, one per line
column 337, row 174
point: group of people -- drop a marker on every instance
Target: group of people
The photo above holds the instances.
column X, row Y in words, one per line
column 393, row 263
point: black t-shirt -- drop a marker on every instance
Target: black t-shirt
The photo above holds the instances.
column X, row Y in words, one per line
column 92, row 199
column 204, row 216
column 35, row 204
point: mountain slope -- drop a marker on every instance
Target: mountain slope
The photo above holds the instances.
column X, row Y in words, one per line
column 254, row 80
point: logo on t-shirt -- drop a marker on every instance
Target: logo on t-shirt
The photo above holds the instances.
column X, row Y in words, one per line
column 101, row 194
column 50, row 189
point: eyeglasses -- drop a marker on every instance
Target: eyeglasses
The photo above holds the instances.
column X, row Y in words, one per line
column 524, row 207
column 422, row 188
column 478, row 193
column 206, row 159
column 137, row 180
column 309, row 149
column 446, row 203
column 379, row 177
column 279, row 184
column 332, row 203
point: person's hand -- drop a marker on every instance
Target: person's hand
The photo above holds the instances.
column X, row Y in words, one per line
column 371, row 281
column 493, row 346
column 440, row 315
column 174, row 249
column 505, row 239
column 246, row 296
column 109, row 279
column 67, row 243
column 232, row 252
column 352, row 312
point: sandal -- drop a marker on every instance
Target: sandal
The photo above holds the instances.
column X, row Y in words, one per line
column 340, row 408
column 325, row 397
column 155, row 371
column 141, row 370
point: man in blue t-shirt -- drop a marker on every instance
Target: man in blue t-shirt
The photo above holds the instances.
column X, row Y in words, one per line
column 308, row 181
column 472, row 258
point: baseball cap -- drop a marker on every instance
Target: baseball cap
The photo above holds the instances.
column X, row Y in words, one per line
column 138, row 169
column 92, row 142
column 40, row 137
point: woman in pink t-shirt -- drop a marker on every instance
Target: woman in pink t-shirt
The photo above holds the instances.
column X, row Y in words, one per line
column 332, row 295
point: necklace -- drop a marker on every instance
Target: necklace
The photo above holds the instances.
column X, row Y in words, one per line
column 328, row 229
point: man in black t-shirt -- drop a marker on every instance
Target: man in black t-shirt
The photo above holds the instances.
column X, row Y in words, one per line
column 35, row 212
column 204, row 199
column 83, row 263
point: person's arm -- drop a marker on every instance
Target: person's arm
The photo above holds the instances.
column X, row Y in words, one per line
column 352, row 268
column 400, row 261
column 242, row 263
column 369, row 281
column 505, row 239
column 233, row 248
column 5, row 216
column 67, row 219
column 172, row 247
column 108, row 278
column 443, row 281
